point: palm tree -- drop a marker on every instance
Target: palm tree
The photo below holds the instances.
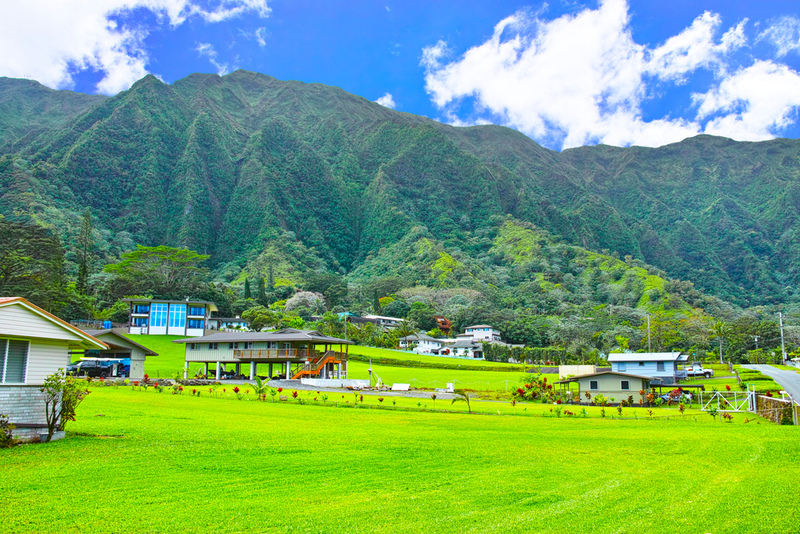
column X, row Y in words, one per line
column 721, row 331
column 463, row 396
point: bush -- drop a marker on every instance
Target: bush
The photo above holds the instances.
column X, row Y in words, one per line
column 6, row 436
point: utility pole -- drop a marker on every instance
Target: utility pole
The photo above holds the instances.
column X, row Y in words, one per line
column 649, row 349
column 783, row 346
column 756, row 338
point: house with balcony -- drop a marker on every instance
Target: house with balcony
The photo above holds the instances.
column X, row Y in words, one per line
column 169, row 317
column 662, row 368
column 482, row 333
column 287, row 353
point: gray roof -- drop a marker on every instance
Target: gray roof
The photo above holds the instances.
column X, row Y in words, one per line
column 463, row 344
column 98, row 333
column 478, row 326
column 287, row 334
column 602, row 373
column 229, row 319
column 648, row 357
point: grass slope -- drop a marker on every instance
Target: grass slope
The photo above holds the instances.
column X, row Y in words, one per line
column 164, row 463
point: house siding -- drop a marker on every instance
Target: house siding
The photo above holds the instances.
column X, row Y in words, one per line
column 20, row 322
column 45, row 357
column 648, row 369
column 611, row 386
column 24, row 406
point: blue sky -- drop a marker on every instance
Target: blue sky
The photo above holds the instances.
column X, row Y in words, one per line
column 565, row 73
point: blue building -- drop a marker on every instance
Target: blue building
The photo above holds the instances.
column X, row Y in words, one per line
column 661, row 367
column 171, row 317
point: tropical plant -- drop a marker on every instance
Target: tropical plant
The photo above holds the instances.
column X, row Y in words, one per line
column 461, row 396
column 62, row 395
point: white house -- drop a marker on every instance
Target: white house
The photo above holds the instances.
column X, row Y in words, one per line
column 421, row 343
column 462, row 348
column 224, row 323
column 33, row 345
column 482, row 333
column 383, row 320
column 171, row 317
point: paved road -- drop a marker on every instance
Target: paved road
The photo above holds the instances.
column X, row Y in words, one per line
column 789, row 380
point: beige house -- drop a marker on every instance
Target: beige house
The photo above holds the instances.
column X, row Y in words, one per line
column 33, row 345
column 607, row 383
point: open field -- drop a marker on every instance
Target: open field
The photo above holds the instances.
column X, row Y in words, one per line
column 156, row 462
column 411, row 357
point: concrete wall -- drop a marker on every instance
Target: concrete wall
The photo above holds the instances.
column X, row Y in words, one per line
column 24, row 406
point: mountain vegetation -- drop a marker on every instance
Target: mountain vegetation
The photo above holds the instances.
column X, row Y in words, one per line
column 276, row 187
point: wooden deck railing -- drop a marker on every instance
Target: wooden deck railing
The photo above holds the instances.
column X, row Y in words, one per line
column 266, row 354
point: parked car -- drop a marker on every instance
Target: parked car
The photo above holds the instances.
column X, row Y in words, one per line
column 91, row 368
column 696, row 369
column 666, row 397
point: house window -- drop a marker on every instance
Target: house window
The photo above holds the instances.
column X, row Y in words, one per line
column 197, row 310
column 213, row 346
column 641, row 364
column 622, row 367
column 141, row 308
column 233, row 346
column 13, row 361
column 196, row 323
column 624, row 385
column 247, row 345
column 194, row 346
column 140, row 321
column 593, row 384
column 660, row 366
column 159, row 315
column 177, row 316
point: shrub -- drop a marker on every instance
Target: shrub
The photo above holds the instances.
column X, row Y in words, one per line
column 6, row 435
column 62, row 394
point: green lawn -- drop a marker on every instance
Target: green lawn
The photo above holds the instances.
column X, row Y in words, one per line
column 378, row 353
column 138, row 461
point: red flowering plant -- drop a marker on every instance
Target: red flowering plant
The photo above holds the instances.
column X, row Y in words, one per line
column 146, row 379
column 294, row 394
column 728, row 387
column 536, row 388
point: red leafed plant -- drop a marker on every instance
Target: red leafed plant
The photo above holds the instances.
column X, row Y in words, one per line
column 728, row 387
column 236, row 389
column 294, row 394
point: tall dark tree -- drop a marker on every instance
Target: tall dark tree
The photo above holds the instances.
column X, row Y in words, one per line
column 85, row 252
column 262, row 292
column 247, row 293
column 31, row 265
column 271, row 277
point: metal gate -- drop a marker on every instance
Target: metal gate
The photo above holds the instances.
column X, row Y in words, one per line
column 729, row 401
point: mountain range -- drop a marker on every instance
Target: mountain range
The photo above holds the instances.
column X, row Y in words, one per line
column 256, row 171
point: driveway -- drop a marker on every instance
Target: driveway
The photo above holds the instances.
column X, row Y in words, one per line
column 789, row 380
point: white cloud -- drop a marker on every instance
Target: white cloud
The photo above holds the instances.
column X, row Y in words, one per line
column 581, row 79
column 51, row 41
column 784, row 34
column 387, row 100
column 753, row 103
column 207, row 50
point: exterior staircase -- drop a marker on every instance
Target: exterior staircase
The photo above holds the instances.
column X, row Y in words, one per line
column 313, row 368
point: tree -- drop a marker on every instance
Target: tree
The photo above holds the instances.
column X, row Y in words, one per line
column 260, row 317
column 85, row 254
column 165, row 272
column 247, row 293
column 262, row 292
column 423, row 316
column 462, row 396
column 62, row 395
column 31, row 264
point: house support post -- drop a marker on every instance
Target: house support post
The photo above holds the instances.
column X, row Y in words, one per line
column 205, row 369
column 238, row 369
column 270, row 370
column 288, row 370
column 253, row 366
column 338, row 370
column 185, row 370
column 218, row 370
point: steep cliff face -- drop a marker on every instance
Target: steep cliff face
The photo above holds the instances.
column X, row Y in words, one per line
column 227, row 165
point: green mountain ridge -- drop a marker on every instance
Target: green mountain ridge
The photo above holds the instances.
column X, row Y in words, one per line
column 232, row 165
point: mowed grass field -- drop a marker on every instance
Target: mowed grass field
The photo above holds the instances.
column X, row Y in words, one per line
column 170, row 360
column 141, row 461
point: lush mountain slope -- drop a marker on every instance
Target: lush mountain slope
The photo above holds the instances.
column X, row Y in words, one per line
column 233, row 166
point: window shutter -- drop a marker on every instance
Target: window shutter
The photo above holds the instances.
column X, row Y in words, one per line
column 16, row 362
column 3, row 346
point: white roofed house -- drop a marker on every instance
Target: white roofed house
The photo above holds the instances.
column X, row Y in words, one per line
column 296, row 353
column 421, row 343
column 33, row 345
column 482, row 332
column 660, row 367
